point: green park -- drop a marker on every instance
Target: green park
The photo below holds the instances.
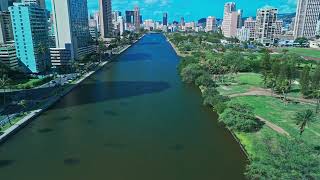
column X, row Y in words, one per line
column 270, row 102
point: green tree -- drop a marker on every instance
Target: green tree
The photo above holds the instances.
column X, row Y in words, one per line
column 205, row 80
column 266, row 66
column 101, row 48
column 315, row 79
column 43, row 51
column 191, row 72
column 239, row 117
column 4, row 80
column 283, row 158
column 304, row 118
column 301, row 41
column 316, row 95
column 305, row 81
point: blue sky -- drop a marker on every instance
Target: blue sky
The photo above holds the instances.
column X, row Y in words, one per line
column 191, row 9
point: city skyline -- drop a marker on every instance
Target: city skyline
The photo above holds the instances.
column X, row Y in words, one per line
column 192, row 11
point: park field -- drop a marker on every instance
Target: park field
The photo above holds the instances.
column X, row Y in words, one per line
column 308, row 52
column 270, row 108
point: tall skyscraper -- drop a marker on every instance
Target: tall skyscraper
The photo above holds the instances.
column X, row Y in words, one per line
column 307, row 17
column 6, row 34
column 71, row 28
column 240, row 22
column 230, row 20
column 30, row 31
column 96, row 17
column 267, row 25
column 115, row 15
column 121, row 25
column 137, row 18
column 105, row 18
column 211, row 24
column 93, row 29
column 4, row 5
column 182, row 22
column 41, row 3
column 10, row 2
column 129, row 17
column 165, row 19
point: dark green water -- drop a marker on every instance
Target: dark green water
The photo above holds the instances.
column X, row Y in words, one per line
column 133, row 120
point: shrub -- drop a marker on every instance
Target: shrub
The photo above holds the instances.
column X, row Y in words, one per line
column 205, row 80
column 191, row 72
column 283, row 158
column 239, row 117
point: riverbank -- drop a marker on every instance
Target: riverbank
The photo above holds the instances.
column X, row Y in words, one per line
column 264, row 124
column 175, row 48
column 50, row 102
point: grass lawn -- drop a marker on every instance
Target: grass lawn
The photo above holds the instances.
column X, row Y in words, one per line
column 248, row 140
column 32, row 83
column 282, row 115
column 242, row 83
column 315, row 53
column 13, row 121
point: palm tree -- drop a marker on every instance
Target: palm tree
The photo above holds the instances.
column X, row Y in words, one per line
column 42, row 50
column 303, row 118
column 101, row 48
column 3, row 83
column 316, row 95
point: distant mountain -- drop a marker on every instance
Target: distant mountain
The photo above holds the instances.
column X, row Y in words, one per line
column 202, row 21
column 286, row 17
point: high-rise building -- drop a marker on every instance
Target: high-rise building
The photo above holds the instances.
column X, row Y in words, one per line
column 211, row 24
column 30, row 29
column 71, row 29
column 318, row 29
column 230, row 20
column 121, row 25
column 267, row 25
column 6, row 34
column 115, row 15
column 10, row 2
column 93, row 29
column 96, row 17
column 182, row 22
column 307, row 17
column 239, row 21
column 148, row 24
column 165, row 19
column 250, row 24
column 137, row 18
column 105, row 18
column 243, row 34
column 4, row 5
column 190, row 26
column 129, row 17
column 8, row 56
column 41, row 3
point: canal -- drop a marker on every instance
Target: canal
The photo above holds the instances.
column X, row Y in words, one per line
column 132, row 120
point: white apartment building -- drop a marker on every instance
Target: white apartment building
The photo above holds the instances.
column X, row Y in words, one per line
column 211, row 24
column 230, row 20
column 250, row 24
column 267, row 26
column 243, row 34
